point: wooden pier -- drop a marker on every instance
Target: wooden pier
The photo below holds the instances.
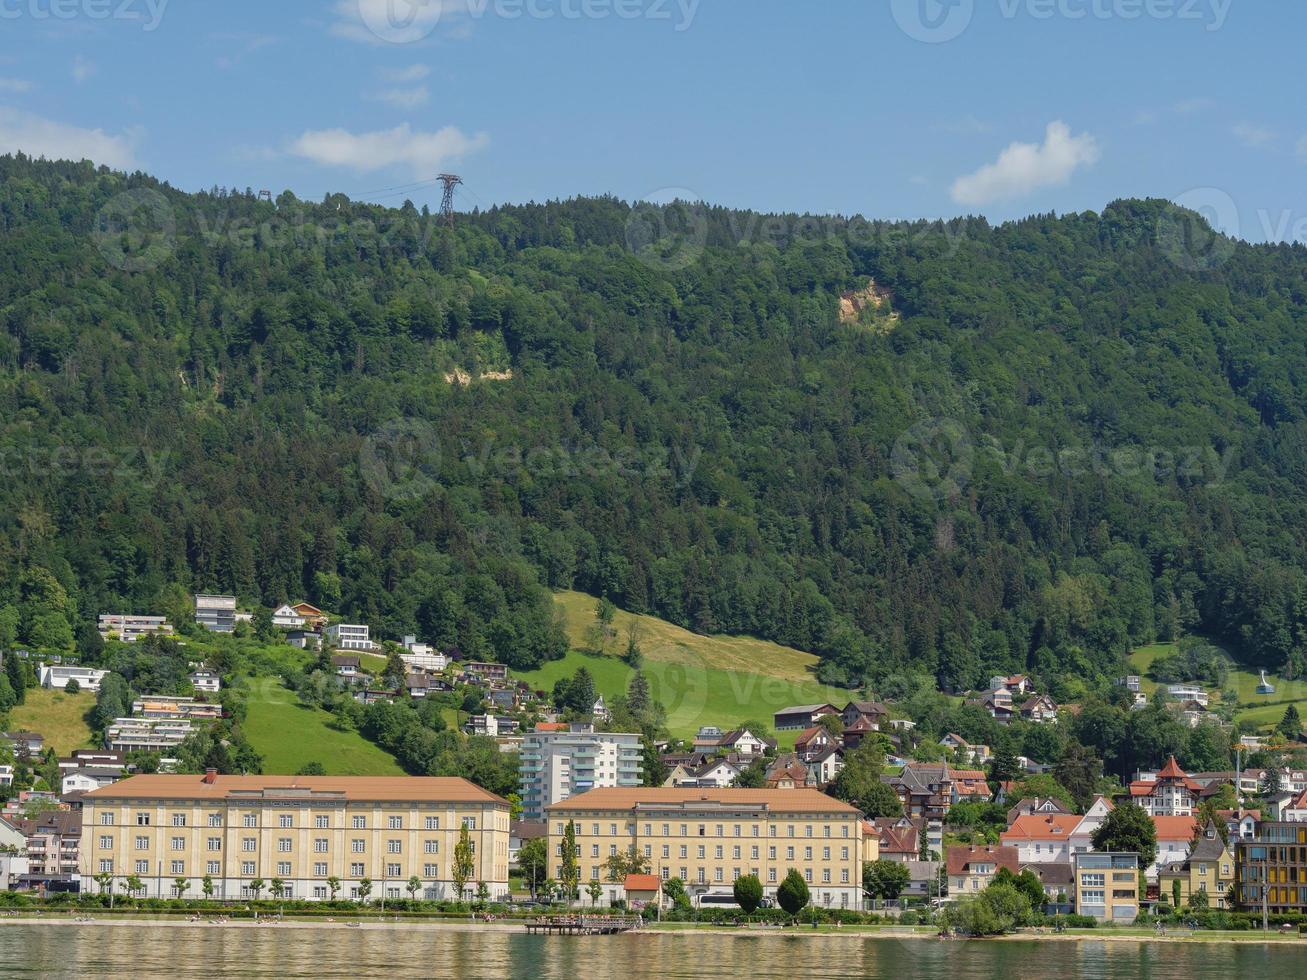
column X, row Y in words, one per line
column 581, row 925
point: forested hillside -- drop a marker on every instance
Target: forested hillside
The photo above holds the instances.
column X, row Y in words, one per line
column 427, row 429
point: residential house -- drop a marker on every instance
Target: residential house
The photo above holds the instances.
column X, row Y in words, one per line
column 347, row 666
column 24, row 744
column 971, row 868
column 825, row 765
column 1107, row 886
column 1058, row 880
column 349, row 636
column 1043, row 838
column 1167, row 793
column 872, row 712
column 853, row 734
column 1187, row 692
column 285, row 617
column 1174, row 837
column 420, row 656
column 929, row 789
column 600, row 710
column 741, row 741
column 304, row 639
column 1208, row 868
column 58, row 676
column 813, row 741
column 1036, row 805
column 417, row 685
column 167, row 706
column 1082, row 838
column 1296, row 810
column 974, row 754
column 997, row 704
column 129, row 629
column 1040, row 709
column 6, row 775
column 216, row 613
column 13, row 856
column 486, row 671
column 1015, row 684
column 206, row 681
column 519, row 833
column 802, row 716
column 1131, row 682
column 93, row 759
column 718, row 773
column 314, row 618
column 85, row 780
column 147, row 734
column 899, row 838
column 787, row 772
column 53, row 849
column 491, row 726
column 1240, row 824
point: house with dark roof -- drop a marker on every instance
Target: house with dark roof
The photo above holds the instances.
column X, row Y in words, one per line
column 801, row 716
column 1208, row 868
column 872, row 712
column 930, row 789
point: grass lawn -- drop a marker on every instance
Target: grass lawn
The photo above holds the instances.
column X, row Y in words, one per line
column 695, row 693
column 289, row 736
column 60, row 717
column 1263, row 710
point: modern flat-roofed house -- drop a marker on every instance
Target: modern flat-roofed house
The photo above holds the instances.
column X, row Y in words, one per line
column 303, row 830
column 1270, row 868
column 93, row 759
column 487, row 671
column 1107, row 886
column 1188, row 692
column 6, row 775
column 801, row 716
column 167, row 706
column 147, row 734
column 710, row 837
column 349, row 636
column 129, row 629
column 205, row 681
column 216, row 613
column 422, row 656
column 57, row 676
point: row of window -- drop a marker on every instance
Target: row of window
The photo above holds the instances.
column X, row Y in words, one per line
column 755, row 830
column 321, row 845
column 284, row 868
column 719, row 852
column 321, row 821
column 719, row 875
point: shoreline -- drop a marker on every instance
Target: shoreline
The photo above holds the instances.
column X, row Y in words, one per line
column 503, row 928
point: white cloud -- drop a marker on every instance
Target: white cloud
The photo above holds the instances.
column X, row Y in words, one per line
column 1251, row 134
column 39, row 137
column 391, row 21
column 83, row 69
column 14, row 86
column 401, row 76
column 404, row 98
column 1026, row 167
column 425, row 153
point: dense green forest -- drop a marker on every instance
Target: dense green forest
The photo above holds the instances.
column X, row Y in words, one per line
column 258, row 400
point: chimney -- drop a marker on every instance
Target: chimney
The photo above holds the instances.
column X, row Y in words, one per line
column 211, row 776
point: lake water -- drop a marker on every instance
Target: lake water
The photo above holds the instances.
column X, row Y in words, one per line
column 148, row 951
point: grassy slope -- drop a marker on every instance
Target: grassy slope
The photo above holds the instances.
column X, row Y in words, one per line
column 60, row 717
column 288, row 736
column 702, row 680
column 1262, row 710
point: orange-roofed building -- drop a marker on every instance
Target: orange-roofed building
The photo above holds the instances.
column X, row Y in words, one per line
column 1174, row 836
column 1042, row 838
column 1169, row 793
column 970, row 868
column 642, row 890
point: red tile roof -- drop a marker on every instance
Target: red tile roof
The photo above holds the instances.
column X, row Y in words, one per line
column 642, row 883
column 1041, row 826
column 1175, row 828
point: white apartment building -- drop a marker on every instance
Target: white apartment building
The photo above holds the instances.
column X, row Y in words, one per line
column 206, row 681
column 285, row 617
column 129, row 629
column 216, row 613
column 148, row 734
column 559, row 765
column 423, row 656
column 58, row 675
column 349, row 636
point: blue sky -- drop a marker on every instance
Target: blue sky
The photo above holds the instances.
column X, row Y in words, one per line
column 890, row 108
